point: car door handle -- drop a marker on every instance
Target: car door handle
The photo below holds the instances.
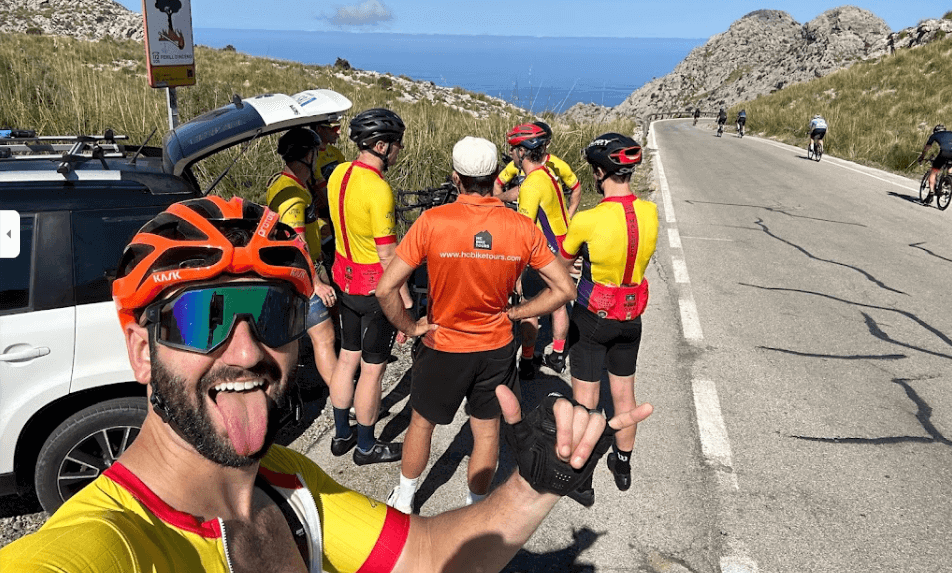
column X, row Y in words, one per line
column 26, row 354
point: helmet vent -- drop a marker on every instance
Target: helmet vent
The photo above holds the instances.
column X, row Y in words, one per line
column 282, row 257
column 186, row 258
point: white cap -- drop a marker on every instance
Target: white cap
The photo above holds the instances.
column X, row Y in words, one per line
column 474, row 157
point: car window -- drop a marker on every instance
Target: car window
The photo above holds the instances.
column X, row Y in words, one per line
column 15, row 273
column 98, row 240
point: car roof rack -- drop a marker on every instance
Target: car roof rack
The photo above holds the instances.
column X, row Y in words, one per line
column 69, row 149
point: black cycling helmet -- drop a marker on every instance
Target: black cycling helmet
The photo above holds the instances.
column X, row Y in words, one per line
column 378, row 124
column 938, row 128
column 615, row 153
column 545, row 127
column 296, row 143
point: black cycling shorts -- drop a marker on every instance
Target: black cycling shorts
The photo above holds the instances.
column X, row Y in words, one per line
column 742, row 120
column 941, row 159
column 365, row 328
column 817, row 134
column 597, row 342
column 440, row 380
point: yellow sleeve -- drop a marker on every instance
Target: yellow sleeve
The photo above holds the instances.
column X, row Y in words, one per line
column 577, row 234
column 530, row 199
column 647, row 213
column 507, row 174
column 382, row 221
column 95, row 544
column 563, row 172
column 290, row 205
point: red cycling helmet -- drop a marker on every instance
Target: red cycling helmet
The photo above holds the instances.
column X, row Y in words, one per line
column 200, row 239
column 528, row 135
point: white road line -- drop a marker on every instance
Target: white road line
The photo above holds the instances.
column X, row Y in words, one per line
column 715, row 445
column 674, row 238
column 680, row 270
column 690, row 321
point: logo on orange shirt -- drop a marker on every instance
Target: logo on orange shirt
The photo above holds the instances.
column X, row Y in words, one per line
column 483, row 241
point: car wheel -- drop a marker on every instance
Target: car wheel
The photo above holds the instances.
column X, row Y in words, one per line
column 84, row 446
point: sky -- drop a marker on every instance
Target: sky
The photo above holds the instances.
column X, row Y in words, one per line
column 588, row 18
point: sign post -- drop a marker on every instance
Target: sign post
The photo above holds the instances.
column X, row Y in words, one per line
column 169, row 49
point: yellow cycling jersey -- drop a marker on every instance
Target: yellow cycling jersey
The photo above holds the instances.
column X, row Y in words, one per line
column 602, row 236
column 560, row 168
column 288, row 197
column 117, row 524
column 541, row 199
column 362, row 211
column 327, row 160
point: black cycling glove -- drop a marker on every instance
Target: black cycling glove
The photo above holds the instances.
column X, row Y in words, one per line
column 533, row 442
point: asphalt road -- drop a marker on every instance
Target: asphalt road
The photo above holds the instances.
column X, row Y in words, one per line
column 819, row 290
column 796, row 349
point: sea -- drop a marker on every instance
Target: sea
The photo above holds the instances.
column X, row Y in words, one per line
column 538, row 74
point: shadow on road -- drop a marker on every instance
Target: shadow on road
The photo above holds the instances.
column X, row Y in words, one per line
column 909, row 198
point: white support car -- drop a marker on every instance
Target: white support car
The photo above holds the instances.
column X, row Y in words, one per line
column 69, row 404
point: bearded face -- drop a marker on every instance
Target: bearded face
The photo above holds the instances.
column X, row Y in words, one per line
column 230, row 423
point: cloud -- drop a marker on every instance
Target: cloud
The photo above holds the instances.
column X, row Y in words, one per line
column 368, row 13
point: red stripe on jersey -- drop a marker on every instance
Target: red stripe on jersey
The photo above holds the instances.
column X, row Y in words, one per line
column 631, row 221
column 389, row 545
column 130, row 482
column 340, row 210
column 388, row 240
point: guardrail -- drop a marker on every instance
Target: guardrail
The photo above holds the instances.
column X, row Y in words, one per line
column 679, row 114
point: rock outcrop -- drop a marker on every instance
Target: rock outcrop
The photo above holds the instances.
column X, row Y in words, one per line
column 760, row 53
column 919, row 35
column 84, row 19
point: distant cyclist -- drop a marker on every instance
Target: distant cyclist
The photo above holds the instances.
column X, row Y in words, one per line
column 721, row 120
column 560, row 168
column 943, row 138
column 697, row 114
column 741, row 121
column 817, row 129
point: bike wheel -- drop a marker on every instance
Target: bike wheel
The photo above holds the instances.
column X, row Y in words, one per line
column 924, row 194
column 819, row 150
column 943, row 193
column 810, row 150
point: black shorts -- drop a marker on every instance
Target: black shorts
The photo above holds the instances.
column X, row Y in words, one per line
column 742, row 120
column 365, row 327
column 941, row 159
column 592, row 339
column 440, row 380
column 817, row 134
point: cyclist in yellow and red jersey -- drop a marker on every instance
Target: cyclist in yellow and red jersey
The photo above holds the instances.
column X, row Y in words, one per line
column 560, row 168
column 362, row 212
column 540, row 199
column 615, row 239
column 328, row 158
column 212, row 298
column 290, row 197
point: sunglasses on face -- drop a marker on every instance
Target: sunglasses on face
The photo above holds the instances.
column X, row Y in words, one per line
column 201, row 319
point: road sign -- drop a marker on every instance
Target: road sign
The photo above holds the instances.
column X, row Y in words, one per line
column 169, row 50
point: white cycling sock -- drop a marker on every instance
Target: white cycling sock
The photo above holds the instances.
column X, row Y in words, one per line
column 472, row 498
column 406, row 490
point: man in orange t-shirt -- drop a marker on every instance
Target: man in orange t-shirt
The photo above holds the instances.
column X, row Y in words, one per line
column 474, row 249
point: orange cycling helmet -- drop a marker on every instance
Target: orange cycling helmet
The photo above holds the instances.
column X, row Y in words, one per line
column 200, row 239
column 528, row 135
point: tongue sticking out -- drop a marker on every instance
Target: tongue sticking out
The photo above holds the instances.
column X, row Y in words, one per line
column 246, row 419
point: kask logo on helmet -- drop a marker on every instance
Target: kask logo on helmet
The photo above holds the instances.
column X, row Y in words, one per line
column 166, row 277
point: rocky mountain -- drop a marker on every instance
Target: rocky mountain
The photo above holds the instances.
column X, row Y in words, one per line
column 760, row 53
column 912, row 37
column 84, row 19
